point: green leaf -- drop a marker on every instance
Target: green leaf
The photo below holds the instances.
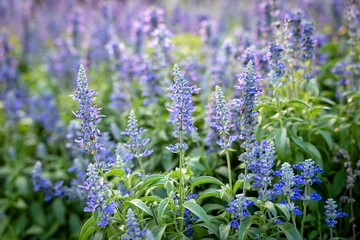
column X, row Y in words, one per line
column 197, row 210
column 244, row 227
column 237, row 185
column 151, row 179
column 88, row 232
column 206, row 179
column 158, row 231
column 224, row 230
column 284, row 209
column 297, row 101
column 280, row 142
column 139, row 204
column 290, row 231
column 151, row 198
column 308, row 148
column 161, row 209
column 86, row 226
column 327, row 137
column 269, row 205
column 117, row 172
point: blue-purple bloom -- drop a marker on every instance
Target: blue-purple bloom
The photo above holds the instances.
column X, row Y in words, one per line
column 222, row 119
column 133, row 230
column 307, row 41
column 97, row 196
column 238, row 207
column 277, row 66
column 288, row 187
column 261, row 164
column 44, row 185
column 89, row 114
column 331, row 213
column 249, row 90
column 182, row 108
column 136, row 143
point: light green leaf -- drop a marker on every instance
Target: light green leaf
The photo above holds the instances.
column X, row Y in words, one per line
column 206, row 179
column 297, row 101
column 284, row 209
column 290, row 231
column 139, row 204
column 327, row 137
column 86, row 226
column 244, row 227
column 158, row 231
column 237, row 185
column 280, row 142
column 197, row 210
column 161, row 209
column 117, row 172
column 269, row 205
column 224, row 230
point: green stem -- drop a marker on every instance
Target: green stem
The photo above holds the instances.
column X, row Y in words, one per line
column 331, row 233
column 292, row 214
column 229, row 172
column 140, row 164
column 181, row 184
column 153, row 212
column 119, row 207
column 113, row 230
column 305, row 203
column 278, row 106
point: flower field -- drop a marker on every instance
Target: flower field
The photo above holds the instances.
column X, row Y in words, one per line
column 179, row 120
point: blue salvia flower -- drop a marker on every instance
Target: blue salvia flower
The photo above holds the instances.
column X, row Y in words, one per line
column 161, row 42
column 182, row 108
column 124, row 157
column 262, row 162
column 293, row 31
column 308, row 177
column 238, row 207
column 150, row 80
column 331, row 213
column 249, row 91
column 288, row 187
column 222, row 119
column 107, row 152
column 153, row 19
column 8, row 66
column 136, row 143
column 277, row 66
column 43, row 109
column 97, row 196
column 89, row 114
column 211, row 135
column 138, row 32
column 307, row 42
column 44, row 185
column 133, row 230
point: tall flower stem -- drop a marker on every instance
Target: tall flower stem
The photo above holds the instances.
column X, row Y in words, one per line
column 181, row 184
column 113, row 230
column 331, row 233
column 119, row 207
column 305, row 203
column 292, row 214
column 229, row 172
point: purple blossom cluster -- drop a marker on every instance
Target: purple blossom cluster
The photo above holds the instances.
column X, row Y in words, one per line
column 89, row 114
column 182, row 108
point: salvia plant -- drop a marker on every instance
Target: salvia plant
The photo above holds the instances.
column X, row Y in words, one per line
column 255, row 137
